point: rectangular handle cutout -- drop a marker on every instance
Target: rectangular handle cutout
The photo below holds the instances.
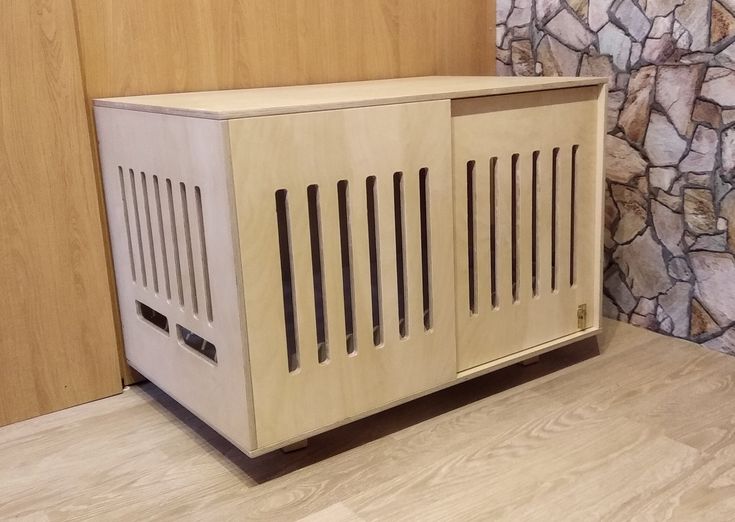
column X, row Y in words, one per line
column 197, row 343
column 152, row 317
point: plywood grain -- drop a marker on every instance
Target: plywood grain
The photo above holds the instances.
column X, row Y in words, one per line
column 322, row 148
column 168, row 153
column 532, row 154
column 58, row 343
column 269, row 101
column 158, row 46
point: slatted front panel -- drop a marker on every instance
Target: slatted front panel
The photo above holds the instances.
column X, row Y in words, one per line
column 527, row 240
column 346, row 237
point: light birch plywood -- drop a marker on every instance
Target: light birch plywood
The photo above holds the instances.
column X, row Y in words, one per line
column 244, row 103
column 162, row 262
column 517, row 288
column 294, row 151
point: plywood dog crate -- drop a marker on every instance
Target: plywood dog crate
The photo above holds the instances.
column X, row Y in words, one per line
column 290, row 259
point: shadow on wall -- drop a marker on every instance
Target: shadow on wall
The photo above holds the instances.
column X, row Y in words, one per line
column 670, row 208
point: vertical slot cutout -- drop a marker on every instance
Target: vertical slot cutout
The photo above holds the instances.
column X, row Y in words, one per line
column 343, row 195
column 189, row 252
column 162, row 235
column 374, row 250
column 317, row 272
column 515, row 201
column 203, row 249
column 126, row 218
column 136, row 215
column 175, row 239
column 534, row 225
column 573, row 216
column 471, row 279
column 289, row 303
column 493, row 226
column 554, row 183
column 399, row 221
column 149, row 230
column 425, row 247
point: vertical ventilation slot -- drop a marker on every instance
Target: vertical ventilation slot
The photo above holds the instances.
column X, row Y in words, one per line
column 289, row 310
column 534, row 225
column 189, row 253
column 320, row 312
column 471, row 236
column 203, row 249
column 425, row 246
column 573, row 215
column 346, row 253
column 373, row 235
column 136, row 214
column 493, row 225
column 515, row 200
column 554, row 183
column 162, row 235
column 175, row 239
column 149, row 230
column 126, row 217
column 399, row 221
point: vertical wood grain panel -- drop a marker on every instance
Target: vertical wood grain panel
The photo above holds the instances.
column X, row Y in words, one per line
column 58, row 335
column 156, row 46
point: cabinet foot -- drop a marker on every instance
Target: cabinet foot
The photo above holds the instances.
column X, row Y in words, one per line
column 530, row 361
column 296, row 446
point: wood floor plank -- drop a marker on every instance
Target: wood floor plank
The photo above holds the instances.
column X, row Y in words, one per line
column 570, row 479
column 634, row 427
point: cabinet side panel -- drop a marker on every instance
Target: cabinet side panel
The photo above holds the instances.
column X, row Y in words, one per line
column 168, row 194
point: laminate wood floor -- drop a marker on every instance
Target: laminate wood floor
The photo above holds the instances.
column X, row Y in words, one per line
column 633, row 426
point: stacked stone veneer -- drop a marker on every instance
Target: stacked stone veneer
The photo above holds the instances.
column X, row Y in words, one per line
column 670, row 209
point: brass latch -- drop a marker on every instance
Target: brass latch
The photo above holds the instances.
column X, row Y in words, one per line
column 582, row 316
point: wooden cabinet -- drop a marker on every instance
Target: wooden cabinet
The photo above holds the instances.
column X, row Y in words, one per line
column 290, row 259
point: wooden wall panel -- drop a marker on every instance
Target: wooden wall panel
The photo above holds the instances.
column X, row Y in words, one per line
column 57, row 338
column 155, row 46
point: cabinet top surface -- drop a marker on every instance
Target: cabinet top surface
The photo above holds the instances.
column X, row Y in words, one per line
column 243, row 103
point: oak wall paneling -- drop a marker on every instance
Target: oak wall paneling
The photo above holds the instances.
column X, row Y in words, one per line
column 57, row 338
column 156, row 46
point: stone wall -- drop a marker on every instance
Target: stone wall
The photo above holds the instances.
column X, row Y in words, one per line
column 670, row 209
